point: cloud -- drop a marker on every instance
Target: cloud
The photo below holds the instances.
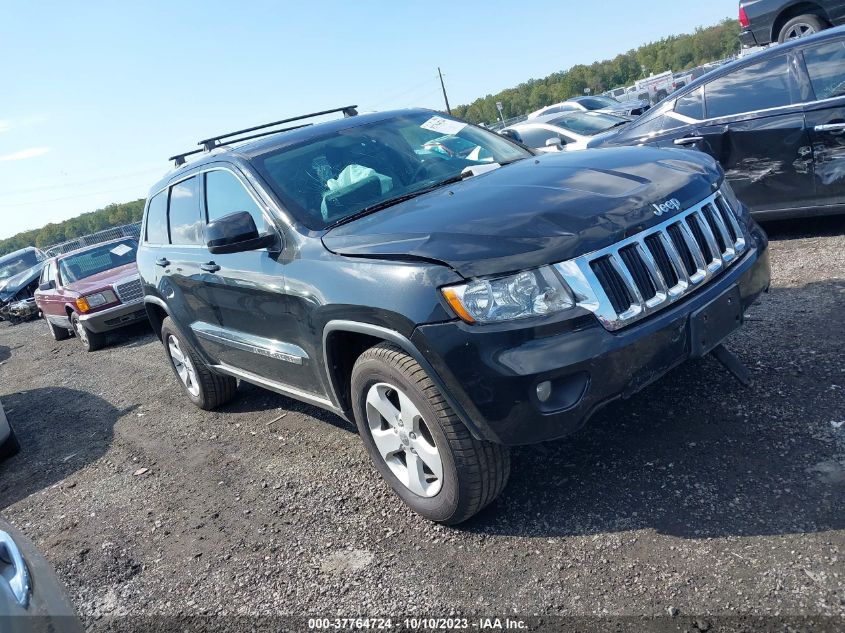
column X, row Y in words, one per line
column 31, row 152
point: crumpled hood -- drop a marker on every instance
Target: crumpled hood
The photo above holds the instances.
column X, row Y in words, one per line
column 8, row 287
column 536, row 211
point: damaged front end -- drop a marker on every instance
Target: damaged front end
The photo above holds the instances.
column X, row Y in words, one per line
column 17, row 302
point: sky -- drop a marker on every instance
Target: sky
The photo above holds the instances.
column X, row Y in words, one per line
column 94, row 96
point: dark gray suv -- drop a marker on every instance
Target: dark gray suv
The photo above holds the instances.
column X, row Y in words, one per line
column 452, row 304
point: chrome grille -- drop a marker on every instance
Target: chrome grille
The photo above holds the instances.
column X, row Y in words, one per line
column 648, row 271
column 129, row 291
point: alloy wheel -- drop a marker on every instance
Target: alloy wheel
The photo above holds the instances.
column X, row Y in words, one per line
column 81, row 332
column 183, row 365
column 403, row 440
column 799, row 30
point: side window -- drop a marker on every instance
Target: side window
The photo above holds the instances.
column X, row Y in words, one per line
column 537, row 136
column 766, row 84
column 157, row 219
column 45, row 274
column 826, row 67
column 657, row 125
column 225, row 194
column 184, row 213
column 691, row 105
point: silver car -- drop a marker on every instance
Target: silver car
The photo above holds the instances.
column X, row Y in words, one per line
column 568, row 130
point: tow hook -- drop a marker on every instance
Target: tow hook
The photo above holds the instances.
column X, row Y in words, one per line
column 732, row 363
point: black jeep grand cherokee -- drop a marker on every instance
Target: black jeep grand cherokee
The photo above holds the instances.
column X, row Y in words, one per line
column 452, row 303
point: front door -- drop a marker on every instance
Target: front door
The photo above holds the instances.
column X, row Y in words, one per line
column 257, row 334
column 825, row 116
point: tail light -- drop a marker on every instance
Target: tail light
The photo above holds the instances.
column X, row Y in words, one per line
column 743, row 19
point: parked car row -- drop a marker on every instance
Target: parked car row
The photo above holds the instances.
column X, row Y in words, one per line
column 774, row 120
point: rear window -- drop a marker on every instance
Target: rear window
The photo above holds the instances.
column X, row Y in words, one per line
column 157, row 219
column 97, row 260
column 587, row 124
column 13, row 264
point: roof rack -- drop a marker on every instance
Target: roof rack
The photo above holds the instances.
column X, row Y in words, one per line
column 213, row 142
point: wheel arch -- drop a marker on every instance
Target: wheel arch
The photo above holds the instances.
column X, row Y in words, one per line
column 344, row 341
column 793, row 11
column 157, row 312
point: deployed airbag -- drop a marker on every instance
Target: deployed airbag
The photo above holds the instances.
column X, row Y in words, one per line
column 354, row 178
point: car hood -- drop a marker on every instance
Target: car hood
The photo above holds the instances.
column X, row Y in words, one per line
column 537, row 211
column 104, row 279
column 8, row 287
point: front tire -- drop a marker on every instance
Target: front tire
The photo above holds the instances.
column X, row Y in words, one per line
column 417, row 442
column 801, row 26
column 203, row 387
column 91, row 341
column 58, row 333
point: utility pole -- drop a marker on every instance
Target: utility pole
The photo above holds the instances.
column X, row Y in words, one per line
column 442, row 85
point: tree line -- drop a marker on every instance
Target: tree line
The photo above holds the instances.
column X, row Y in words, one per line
column 676, row 53
column 85, row 224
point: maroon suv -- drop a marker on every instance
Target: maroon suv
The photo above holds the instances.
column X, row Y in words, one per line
column 92, row 291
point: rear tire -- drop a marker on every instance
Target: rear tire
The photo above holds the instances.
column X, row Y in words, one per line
column 801, row 26
column 423, row 450
column 58, row 333
column 91, row 341
column 203, row 387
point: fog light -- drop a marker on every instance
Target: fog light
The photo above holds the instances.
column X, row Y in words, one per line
column 544, row 390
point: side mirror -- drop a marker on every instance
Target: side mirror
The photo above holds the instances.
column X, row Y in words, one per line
column 236, row 233
column 555, row 141
column 47, row 285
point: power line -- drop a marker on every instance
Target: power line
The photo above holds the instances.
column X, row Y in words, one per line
column 82, row 182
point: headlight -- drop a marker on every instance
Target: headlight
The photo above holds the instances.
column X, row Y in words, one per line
column 95, row 300
column 527, row 294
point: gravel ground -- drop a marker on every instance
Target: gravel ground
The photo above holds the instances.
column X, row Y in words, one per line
column 696, row 496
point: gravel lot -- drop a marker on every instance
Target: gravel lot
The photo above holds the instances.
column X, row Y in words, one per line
column 696, row 495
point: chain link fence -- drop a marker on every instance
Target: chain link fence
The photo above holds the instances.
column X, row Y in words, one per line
column 116, row 232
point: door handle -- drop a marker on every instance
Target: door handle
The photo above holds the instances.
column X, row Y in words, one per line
column 13, row 569
column 210, row 267
column 688, row 140
column 163, row 262
column 830, row 127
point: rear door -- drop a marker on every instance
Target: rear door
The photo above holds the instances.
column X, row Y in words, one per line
column 825, row 116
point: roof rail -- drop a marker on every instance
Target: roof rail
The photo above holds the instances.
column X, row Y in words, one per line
column 213, row 142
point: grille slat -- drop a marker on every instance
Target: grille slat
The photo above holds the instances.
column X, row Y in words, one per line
column 639, row 272
column 650, row 270
column 129, row 291
column 662, row 259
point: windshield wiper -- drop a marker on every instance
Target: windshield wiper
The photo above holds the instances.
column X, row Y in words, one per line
column 394, row 201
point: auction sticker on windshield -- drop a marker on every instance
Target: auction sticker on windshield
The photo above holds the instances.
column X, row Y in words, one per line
column 444, row 126
column 121, row 249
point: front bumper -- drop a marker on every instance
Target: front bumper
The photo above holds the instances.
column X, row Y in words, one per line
column 114, row 318
column 492, row 376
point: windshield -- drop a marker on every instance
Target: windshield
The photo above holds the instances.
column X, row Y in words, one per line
column 16, row 263
column 596, row 103
column 587, row 123
column 97, row 260
column 329, row 178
